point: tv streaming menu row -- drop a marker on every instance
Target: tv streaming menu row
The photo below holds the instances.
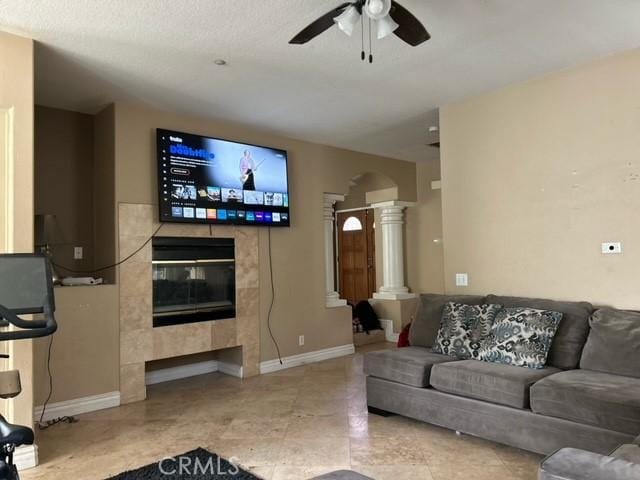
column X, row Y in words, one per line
column 187, row 203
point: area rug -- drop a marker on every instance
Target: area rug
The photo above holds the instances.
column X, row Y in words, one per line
column 198, row 464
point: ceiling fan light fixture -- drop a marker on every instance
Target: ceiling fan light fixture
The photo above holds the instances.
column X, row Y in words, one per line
column 386, row 26
column 348, row 20
column 377, row 9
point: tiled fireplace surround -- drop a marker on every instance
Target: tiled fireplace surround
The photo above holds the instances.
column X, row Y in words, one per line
column 139, row 341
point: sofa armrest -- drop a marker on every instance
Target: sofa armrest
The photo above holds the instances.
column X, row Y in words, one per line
column 575, row 464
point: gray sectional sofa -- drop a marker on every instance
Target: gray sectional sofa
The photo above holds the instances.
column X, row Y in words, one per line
column 587, row 397
column 574, row 464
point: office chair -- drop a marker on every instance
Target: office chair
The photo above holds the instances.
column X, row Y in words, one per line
column 26, row 288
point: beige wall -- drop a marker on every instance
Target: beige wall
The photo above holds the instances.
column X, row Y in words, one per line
column 64, row 181
column 298, row 252
column 369, row 182
column 16, row 157
column 85, row 359
column 537, row 175
column 104, row 218
column 425, row 258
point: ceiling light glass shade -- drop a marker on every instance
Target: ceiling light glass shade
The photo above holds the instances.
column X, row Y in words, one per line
column 377, row 9
column 386, row 26
column 348, row 19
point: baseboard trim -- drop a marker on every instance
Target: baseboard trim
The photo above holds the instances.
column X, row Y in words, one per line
column 26, row 457
column 78, row 406
column 304, row 358
column 183, row 371
column 389, row 334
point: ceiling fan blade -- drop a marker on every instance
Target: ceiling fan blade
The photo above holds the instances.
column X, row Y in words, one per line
column 410, row 30
column 319, row 26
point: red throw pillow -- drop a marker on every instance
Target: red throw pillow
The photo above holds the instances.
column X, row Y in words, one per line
column 403, row 338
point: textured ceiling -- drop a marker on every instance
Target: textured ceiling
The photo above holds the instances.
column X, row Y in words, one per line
column 161, row 52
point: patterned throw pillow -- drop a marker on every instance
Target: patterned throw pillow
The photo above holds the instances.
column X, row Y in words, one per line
column 521, row 337
column 462, row 329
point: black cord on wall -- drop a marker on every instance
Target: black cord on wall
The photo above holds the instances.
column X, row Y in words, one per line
column 70, row 270
column 273, row 298
column 42, row 425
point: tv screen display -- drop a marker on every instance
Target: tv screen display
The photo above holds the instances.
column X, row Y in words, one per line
column 214, row 181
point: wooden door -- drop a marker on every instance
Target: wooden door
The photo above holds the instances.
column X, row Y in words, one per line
column 356, row 255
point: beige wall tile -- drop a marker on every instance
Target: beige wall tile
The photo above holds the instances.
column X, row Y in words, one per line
column 136, row 346
column 132, row 387
column 248, row 330
column 139, row 341
column 247, row 273
column 129, row 244
column 135, row 313
column 135, row 220
column 135, row 279
column 180, row 340
column 223, row 334
column 248, row 302
column 251, row 360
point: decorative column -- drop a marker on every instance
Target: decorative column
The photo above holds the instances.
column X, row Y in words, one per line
column 332, row 297
column 391, row 224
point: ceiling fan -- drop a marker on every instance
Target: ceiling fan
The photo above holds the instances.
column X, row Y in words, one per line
column 389, row 17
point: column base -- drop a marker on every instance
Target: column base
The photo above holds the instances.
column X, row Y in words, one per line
column 335, row 302
column 26, row 457
column 332, row 300
column 394, row 295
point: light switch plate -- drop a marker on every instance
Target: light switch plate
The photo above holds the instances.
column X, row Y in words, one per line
column 462, row 280
column 301, row 340
column 77, row 253
column 611, row 248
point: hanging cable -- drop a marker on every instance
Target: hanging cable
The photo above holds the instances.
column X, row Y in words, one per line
column 273, row 298
column 362, row 55
column 370, row 43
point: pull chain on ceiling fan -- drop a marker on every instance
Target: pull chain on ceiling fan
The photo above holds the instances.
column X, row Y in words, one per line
column 388, row 16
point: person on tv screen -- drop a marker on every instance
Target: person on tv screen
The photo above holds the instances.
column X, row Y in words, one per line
column 178, row 192
column 247, row 170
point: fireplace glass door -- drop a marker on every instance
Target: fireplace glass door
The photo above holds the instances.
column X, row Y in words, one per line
column 188, row 291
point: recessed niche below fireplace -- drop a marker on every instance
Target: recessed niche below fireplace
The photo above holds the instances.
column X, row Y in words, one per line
column 193, row 280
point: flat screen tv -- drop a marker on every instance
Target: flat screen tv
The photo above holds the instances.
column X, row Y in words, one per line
column 214, row 181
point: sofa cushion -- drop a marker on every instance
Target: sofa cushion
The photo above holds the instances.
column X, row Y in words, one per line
column 520, row 337
column 575, row 464
column 572, row 332
column 613, row 345
column 495, row 383
column 629, row 452
column 410, row 365
column 593, row 398
column 424, row 327
column 463, row 327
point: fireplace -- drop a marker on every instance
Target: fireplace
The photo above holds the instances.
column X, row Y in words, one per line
column 193, row 280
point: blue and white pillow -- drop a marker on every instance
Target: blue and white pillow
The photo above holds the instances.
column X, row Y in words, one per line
column 520, row 337
column 463, row 328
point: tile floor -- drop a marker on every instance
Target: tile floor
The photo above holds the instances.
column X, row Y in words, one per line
column 292, row 424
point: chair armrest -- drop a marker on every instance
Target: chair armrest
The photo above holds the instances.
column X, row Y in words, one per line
column 575, row 464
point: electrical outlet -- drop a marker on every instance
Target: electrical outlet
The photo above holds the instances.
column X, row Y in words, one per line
column 301, row 340
column 77, row 253
column 609, row 248
column 462, row 280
